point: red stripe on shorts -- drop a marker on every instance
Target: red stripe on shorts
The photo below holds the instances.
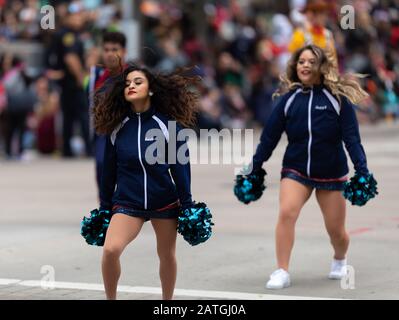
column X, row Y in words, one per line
column 342, row 179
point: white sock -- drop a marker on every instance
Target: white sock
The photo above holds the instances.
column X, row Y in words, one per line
column 343, row 261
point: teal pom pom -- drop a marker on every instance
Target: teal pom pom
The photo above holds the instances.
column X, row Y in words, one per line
column 360, row 189
column 94, row 228
column 250, row 187
column 195, row 224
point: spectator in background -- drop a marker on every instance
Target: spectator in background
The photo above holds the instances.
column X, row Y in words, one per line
column 173, row 57
column 314, row 30
column 29, row 17
column 296, row 12
column 390, row 101
column 230, row 79
column 104, row 15
column 46, row 111
column 20, row 101
column 281, row 34
column 235, row 111
column 113, row 58
column 74, row 104
column 210, row 110
column 265, row 79
column 9, row 28
column 242, row 47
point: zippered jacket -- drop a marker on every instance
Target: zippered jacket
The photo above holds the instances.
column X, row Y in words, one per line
column 128, row 179
column 316, row 123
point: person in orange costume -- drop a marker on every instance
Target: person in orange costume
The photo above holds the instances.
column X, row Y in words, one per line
column 314, row 30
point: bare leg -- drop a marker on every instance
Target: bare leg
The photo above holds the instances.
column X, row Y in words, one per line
column 166, row 232
column 333, row 206
column 122, row 230
column 293, row 195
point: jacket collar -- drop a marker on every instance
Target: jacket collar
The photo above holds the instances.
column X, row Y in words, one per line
column 318, row 87
column 143, row 115
column 315, row 88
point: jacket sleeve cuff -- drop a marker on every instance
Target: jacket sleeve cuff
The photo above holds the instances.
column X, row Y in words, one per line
column 187, row 204
column 362, row 171
column 104, row 206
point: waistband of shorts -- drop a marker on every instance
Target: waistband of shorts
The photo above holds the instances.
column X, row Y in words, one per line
column 341, row 179
column 169, row 211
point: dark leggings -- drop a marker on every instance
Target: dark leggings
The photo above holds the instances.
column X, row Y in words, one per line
column 15, row 124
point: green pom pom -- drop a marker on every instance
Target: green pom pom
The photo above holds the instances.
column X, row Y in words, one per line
column 250, row 187
column 195, row 224
column 360, row 189
column 94, row 228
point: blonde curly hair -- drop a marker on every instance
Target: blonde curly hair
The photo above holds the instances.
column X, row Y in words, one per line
column 340, row 85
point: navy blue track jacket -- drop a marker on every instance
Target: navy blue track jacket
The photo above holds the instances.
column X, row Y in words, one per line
column 129, row 180
column 316, row 124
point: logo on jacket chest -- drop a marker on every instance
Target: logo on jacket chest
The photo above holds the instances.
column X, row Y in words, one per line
column 320, row 107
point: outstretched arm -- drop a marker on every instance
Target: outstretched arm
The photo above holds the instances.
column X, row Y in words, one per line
column 351, row 136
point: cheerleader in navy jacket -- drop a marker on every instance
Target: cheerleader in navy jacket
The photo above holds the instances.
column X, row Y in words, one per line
column 317, row 113
column 132, row 188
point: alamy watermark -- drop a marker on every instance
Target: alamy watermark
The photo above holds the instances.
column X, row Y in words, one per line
column 211, row 147
column 348, row 17
column 48, row 19
column 48, row 280
column 348, row 280
column 347, row 20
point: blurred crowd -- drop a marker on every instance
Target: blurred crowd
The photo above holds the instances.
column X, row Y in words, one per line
column 239, row 48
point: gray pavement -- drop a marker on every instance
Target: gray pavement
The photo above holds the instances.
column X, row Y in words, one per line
column 43, row 201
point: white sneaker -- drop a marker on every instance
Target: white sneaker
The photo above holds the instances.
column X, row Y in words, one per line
column 279, row 279
column 338, row 269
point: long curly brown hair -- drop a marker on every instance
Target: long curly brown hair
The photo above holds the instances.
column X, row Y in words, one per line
column 340, row 85
column 175, row 95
